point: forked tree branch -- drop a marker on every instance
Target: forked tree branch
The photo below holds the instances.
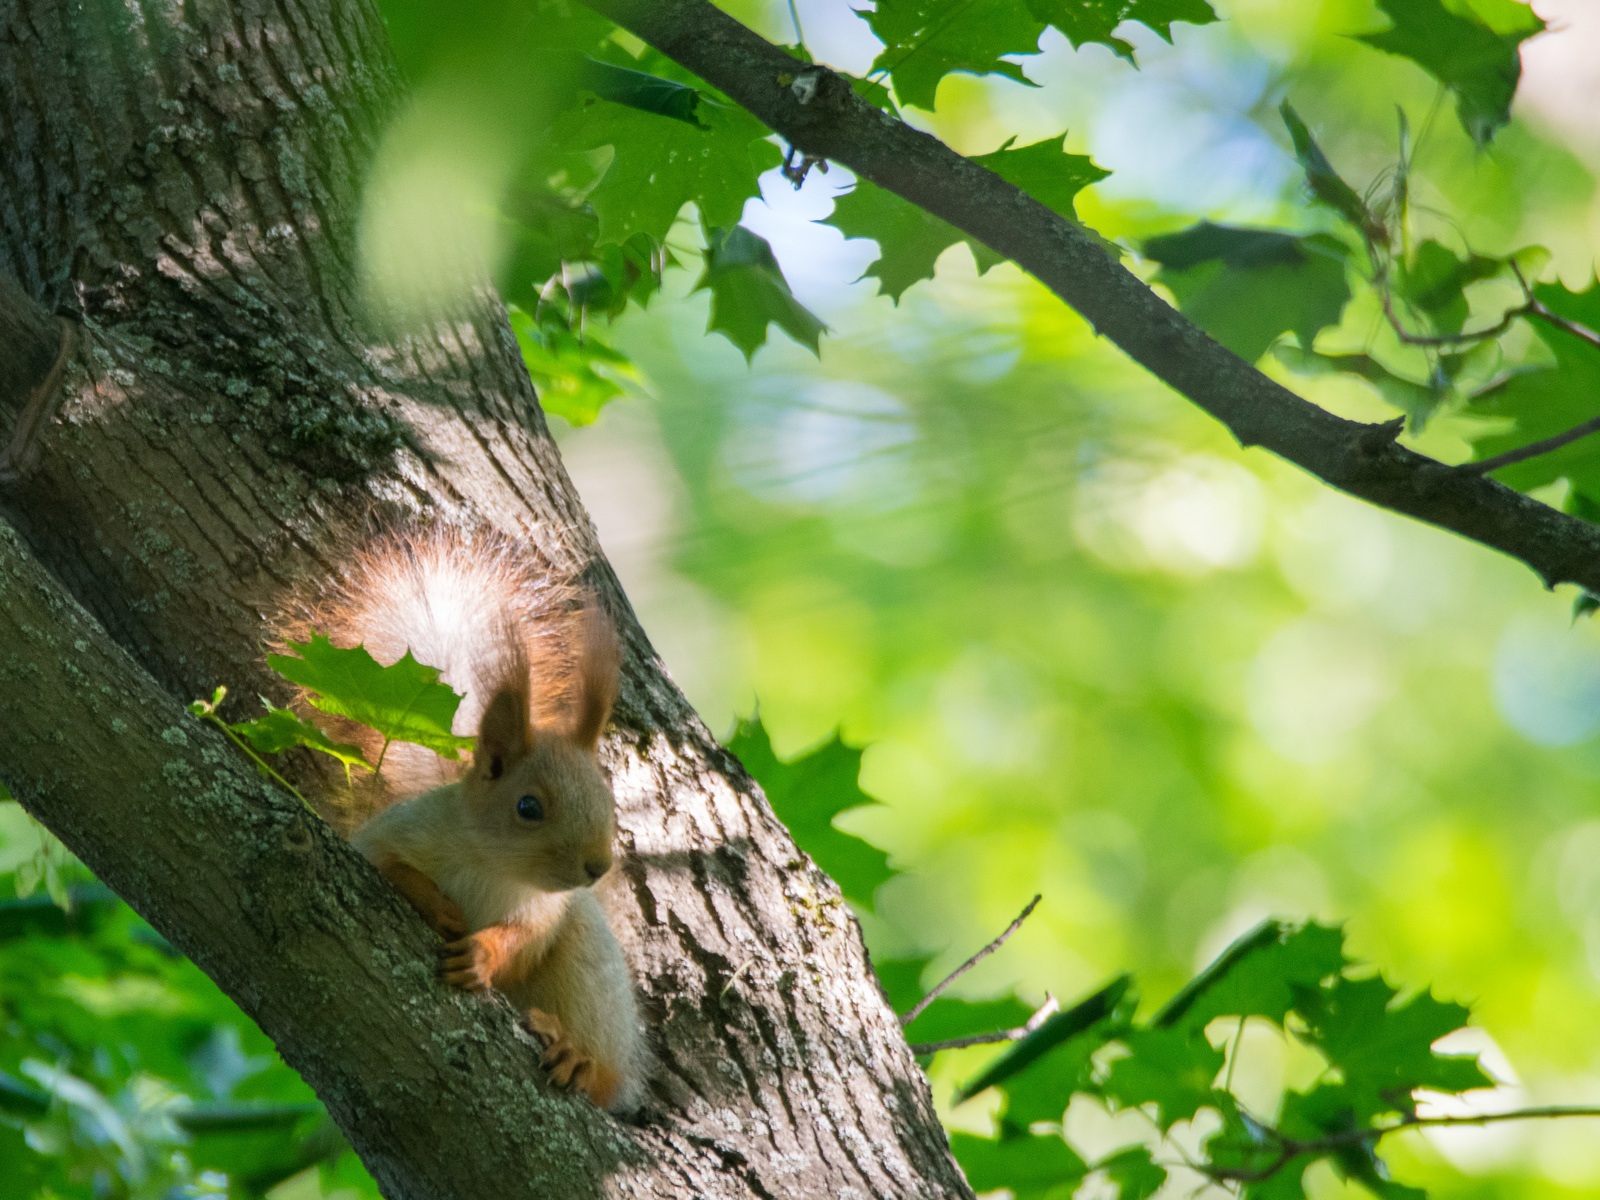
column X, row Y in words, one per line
column 829, row 121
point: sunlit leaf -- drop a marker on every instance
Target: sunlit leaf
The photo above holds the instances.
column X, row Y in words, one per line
column 575, row 377
column 282, row 729
column 925, row 40
column 1435, row 279
column 404, row 702
column 807, row 793
column 1416, row 400
column 1545, row 401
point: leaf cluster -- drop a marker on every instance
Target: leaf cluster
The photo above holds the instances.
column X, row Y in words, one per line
column 1376, row 1046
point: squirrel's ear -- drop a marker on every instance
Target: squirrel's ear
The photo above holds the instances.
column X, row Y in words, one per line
column 502, row 734
column 599, row 666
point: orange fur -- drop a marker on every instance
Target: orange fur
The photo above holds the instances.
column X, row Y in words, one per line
column 499, row 855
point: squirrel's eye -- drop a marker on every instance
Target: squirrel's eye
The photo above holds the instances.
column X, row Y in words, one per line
column 530, row 809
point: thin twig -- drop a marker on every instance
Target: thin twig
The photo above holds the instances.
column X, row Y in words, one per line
column 1533, row 449
column 1042, row 1014
column 1290, row 1148
column 933, row 992
column 1452, row 339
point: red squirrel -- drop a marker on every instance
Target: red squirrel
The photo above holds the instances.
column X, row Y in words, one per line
column 500, row 858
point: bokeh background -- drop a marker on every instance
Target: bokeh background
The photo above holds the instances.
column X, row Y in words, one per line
column 1094, row 649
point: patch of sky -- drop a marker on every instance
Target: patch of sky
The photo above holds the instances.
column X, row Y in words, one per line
column 1547, row 681
column 824, row 442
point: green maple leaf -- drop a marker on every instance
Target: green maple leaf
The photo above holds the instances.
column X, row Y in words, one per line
column 1434, row 282
column 1030, row 1166
column 282, row 729
column 575, row 377
column 661, row 163
column 1479, row 64
column 1133, row 1174
column 1245, row 287
column 910, row 239
column 1545, row 401
column 1325, row 183
column 1331, row 1110
column 1417, row 400
column 404, row 702
column 1242, row 1144
column 749, row 292
column 1385, row 1050
column 1102, row 1014
column 1173, row 1069
column 807, row 793
column 925, row 40
column 1095, row 20
column 1257, row 975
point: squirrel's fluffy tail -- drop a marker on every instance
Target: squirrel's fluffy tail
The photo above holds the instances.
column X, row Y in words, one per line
column 474, row 604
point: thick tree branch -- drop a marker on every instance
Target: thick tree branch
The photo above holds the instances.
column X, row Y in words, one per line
column 1360, row 459
column 276, row 907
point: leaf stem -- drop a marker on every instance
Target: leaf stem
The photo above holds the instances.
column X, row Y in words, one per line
column 1233, row 1055
column 207, row 711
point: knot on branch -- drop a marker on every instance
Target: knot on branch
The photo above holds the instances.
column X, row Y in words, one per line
column 1373, row 440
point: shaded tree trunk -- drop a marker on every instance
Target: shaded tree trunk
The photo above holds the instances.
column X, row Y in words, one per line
column 203, row 413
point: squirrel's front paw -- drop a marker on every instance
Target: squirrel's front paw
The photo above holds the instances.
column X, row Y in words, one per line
column 569, row 1068
column 447, row 920
column 467, row 963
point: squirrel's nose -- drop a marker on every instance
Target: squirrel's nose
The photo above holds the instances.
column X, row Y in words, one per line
column 596, row 867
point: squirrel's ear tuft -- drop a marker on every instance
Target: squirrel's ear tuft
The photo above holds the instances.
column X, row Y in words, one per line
column 599, row 666
column 503, row 736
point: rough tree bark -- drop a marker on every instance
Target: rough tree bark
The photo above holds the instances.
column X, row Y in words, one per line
column 203, row 412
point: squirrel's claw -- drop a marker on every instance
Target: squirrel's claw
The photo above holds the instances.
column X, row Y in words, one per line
column 448, row 921
column 465, row 964
column 569, row 1068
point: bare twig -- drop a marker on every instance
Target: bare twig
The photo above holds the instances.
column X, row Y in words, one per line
column 1452, row 339
column 1289, row 1148
column 1042, row 1014
column 933, row 992
column 1533, row 449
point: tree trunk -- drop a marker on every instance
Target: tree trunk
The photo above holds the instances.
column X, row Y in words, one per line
column 204, row 413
